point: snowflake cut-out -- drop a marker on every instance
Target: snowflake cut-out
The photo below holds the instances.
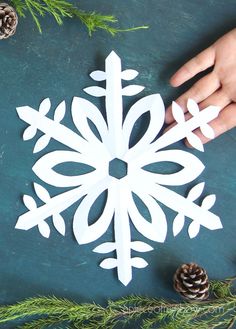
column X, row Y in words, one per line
column 101, row 152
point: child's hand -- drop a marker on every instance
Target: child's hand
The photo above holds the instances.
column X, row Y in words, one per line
column 216, row 88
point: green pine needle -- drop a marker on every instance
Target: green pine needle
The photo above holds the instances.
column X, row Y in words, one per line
column 219, row 312
column 222, row 289
column 61, row 9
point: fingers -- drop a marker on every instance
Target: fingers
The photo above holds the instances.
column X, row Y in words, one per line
column 218, row 98
column 225, row 121
column 197, row 64
column 200, row 91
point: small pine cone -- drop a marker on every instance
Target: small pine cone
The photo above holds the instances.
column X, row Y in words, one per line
column 191, row 281
column 8, row 21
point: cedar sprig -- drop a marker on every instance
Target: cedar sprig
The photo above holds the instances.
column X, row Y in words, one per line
column 61, row 9
column 219, row 312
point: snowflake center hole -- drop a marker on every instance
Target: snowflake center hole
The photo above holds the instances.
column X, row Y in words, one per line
column 118, row 168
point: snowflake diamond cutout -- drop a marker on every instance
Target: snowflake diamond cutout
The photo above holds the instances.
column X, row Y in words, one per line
column 101, row 153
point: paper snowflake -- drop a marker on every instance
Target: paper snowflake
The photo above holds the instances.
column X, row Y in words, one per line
column 101, row 152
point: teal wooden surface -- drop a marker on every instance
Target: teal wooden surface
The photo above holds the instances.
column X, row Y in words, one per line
column 56, row 64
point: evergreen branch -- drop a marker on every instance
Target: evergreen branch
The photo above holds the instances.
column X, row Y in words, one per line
column 30, row 7
column 20, row 7
column 61, row 9
column 219, row 312
column 46, row 322
column 222, row 288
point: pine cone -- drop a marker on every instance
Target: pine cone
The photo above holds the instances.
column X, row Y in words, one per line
column 191, row 281
column 8, row 20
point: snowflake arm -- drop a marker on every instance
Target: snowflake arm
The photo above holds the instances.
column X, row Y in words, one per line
column 36, row 215
column 113, row 99
column 54, row 129
column 51, row 128
column 183, row 129
column 175, row 201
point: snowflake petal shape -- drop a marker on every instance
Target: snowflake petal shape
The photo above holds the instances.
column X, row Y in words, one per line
column 99, row 154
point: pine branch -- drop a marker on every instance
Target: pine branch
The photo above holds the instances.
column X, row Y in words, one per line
column 61, row 9
column 216, row 313
column 47, row 322
column 222, row 288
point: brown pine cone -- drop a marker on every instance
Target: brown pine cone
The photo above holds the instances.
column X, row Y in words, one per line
column 191, row 281
column 8, row 20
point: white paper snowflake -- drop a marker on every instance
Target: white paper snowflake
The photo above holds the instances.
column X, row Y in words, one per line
column 100, row 153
